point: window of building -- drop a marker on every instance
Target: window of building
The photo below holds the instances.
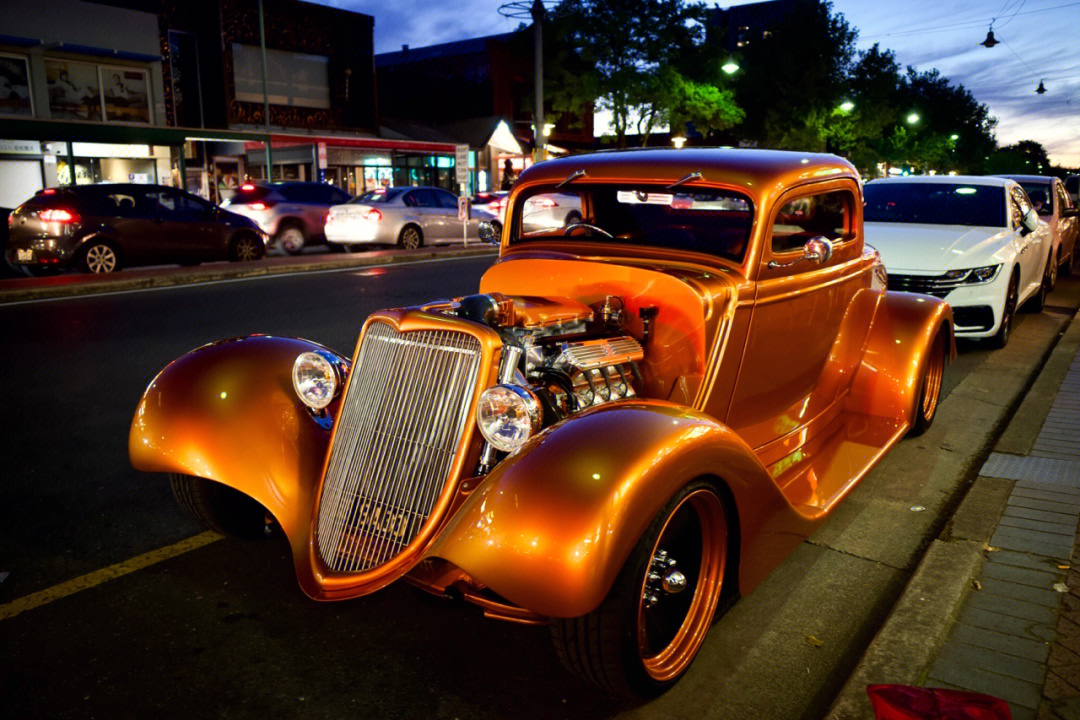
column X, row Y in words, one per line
column 84, row 91
column 292, row 79
column 15, row 95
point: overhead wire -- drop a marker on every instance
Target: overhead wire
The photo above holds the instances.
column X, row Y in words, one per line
column 966, row 23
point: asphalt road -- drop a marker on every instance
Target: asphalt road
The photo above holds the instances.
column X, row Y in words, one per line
column 224, row 631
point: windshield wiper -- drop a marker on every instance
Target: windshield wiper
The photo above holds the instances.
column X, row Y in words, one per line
column 571, row 178
column 680, row 181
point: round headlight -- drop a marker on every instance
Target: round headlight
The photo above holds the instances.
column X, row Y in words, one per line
column 508, row 415
column 314, row 379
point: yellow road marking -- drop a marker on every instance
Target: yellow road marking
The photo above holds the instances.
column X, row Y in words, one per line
column 43, row 597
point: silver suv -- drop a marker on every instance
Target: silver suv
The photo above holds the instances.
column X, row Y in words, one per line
column 292, row 213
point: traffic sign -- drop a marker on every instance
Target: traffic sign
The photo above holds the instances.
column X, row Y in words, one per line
column 461, row 163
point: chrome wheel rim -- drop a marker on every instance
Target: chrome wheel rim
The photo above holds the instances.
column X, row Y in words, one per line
column 101, row 259
column 292, row 240
column 410, row 238
column 1052, row 270
column 681, row 587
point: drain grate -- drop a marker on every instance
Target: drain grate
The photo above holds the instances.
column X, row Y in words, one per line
column 1039, row 469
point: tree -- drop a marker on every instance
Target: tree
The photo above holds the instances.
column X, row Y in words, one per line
column 645, row 61
column 1026, row 157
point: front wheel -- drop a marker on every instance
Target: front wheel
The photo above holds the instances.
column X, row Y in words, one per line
column 1001, row 337
column 219, row 507
column 246, row 247
column 647, row 631
column 930, row 387
column 99, row 257
column 292, row 240
column 1038, row 300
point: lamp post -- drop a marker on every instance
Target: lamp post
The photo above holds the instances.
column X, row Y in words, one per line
column 266, row 95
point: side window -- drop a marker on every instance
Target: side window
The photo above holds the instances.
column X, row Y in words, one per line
column 825, row 214
column 1063, row 199
column 410, row 200
column 306, row 194
column 118, row 203
column 426, row 198
column 339, row 196
column 1020, row 205
column 446, row 200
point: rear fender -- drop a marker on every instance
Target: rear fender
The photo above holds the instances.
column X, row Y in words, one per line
column 551, row 526
column 886, row 381
column 228, row 412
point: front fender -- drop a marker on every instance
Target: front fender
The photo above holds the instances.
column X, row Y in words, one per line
column 886, row 381
column 551, row 526
column 228, row 412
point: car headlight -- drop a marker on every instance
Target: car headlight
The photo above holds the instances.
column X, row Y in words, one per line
column 508, row 415
column 316, row 379
column 983, row 274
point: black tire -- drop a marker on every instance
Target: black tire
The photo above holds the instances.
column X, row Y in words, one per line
column 246, row 247
column 926, row 404
column 291, row 238
column 1066, row 268
column 99, row 257
column 631, row 645
column 219, row 507
column 1001, row 338
column 1038, row 301
column 411, row 237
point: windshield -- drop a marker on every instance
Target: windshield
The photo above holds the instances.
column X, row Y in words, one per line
column 935, row 204
column 1039, row 193
column 710, row 221
column 378, row 196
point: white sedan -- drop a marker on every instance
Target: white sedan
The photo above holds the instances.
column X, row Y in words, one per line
column 974, row 241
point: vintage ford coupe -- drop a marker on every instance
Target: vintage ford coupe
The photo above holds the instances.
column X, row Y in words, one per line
column 643, row 412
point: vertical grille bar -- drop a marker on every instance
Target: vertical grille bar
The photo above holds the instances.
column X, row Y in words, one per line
column 401, row 422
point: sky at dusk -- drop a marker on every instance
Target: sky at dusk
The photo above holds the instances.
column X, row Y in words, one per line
column 1040, row 40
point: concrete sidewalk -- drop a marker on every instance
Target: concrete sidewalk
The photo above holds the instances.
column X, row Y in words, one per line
column 994, row 606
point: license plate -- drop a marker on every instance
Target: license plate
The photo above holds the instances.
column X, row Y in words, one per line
column 24, row 255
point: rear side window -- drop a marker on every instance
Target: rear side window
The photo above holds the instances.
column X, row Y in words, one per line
column 425, row 198
column 825, row 215
column 446, row 200
column 245, row 196
column 934, row 203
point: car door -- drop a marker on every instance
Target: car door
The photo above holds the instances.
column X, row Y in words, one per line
column 432, row 219
column 448, row 209
column 126, row 217
column 1068, row 227
column 1031, row 253
column 797, row 314
column 185, row 226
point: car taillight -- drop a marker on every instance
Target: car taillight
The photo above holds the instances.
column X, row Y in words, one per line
column 544, row 202
column 247, row 187
column 371, row 215
column 499, row 205
column 59, row 215
column 11, row 219
column 260, row 205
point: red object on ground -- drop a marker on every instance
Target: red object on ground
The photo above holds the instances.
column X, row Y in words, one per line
column 907, row 702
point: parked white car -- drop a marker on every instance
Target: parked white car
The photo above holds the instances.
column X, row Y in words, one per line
column 408, row 217
column 1056, row 209
column 974, row 241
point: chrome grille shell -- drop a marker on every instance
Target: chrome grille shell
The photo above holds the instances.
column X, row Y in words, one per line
column 401, row 439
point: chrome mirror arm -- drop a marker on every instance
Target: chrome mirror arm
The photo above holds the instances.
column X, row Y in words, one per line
column 817, row 249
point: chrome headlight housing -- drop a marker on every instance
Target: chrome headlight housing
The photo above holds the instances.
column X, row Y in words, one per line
column 508, row 415
column 317, row 378
column 974, row 276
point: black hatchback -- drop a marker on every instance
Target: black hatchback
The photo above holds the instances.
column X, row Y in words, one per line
column 101, row 228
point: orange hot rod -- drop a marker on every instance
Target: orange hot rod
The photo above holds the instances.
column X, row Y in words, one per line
column 650, row 403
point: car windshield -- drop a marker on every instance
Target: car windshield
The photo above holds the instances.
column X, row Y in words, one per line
column 935, row 203
column 378, row 196
column 1039, row 193
column 716, row 222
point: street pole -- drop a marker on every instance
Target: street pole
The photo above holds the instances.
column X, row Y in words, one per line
column 266, row 95
column 540, row 149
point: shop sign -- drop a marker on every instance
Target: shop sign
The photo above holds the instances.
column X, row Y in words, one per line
column 20, row 147
column 322, row 155
column 113, row 150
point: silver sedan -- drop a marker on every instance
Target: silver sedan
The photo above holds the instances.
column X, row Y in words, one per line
column 407, row 217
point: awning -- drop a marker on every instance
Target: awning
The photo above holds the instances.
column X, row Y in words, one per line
column 20, row 129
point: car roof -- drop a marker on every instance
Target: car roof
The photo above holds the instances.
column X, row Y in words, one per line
column 1043, row 179
column 990, row 180
column 759, row 173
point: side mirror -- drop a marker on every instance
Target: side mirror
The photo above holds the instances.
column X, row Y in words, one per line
column 489, row 232
column 818, row 249
column 1029, row 223
column 1070, row 212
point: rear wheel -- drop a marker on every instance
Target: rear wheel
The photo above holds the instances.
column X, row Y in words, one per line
column 410, row 237
column 99, row 257
column 930, row 387
column 291, row 238
column 647, row 631
column 1001, row 337
column 246, row 247
column 219, row 507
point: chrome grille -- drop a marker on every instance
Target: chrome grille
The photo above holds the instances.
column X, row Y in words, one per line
column 936, row 285
column 399, row 428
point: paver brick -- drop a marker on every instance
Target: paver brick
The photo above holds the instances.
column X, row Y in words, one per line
column 1061, row 655
column 995, row 662
column 1013, row 608
column 1065, row 528
column 1011, row 541
column 1040, row 596
column 1020, row 627
column 1059, row 498
column 1054, row 487
column 1008, row 644
column 1035, row 578
column 1035, row 504
column 1043, row 515
column 1020, row 692
column 1056, row 688
column 1024, row 560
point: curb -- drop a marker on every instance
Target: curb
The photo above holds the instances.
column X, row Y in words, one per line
column 22, row 290
column 919, row 623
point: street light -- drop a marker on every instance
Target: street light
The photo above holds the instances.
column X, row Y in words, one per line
column 730, row 67
column 847, row 106
column 912, row 118
column 678, row 141
column 954, row 137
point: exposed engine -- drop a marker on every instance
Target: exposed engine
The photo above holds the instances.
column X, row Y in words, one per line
column 572, row 356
